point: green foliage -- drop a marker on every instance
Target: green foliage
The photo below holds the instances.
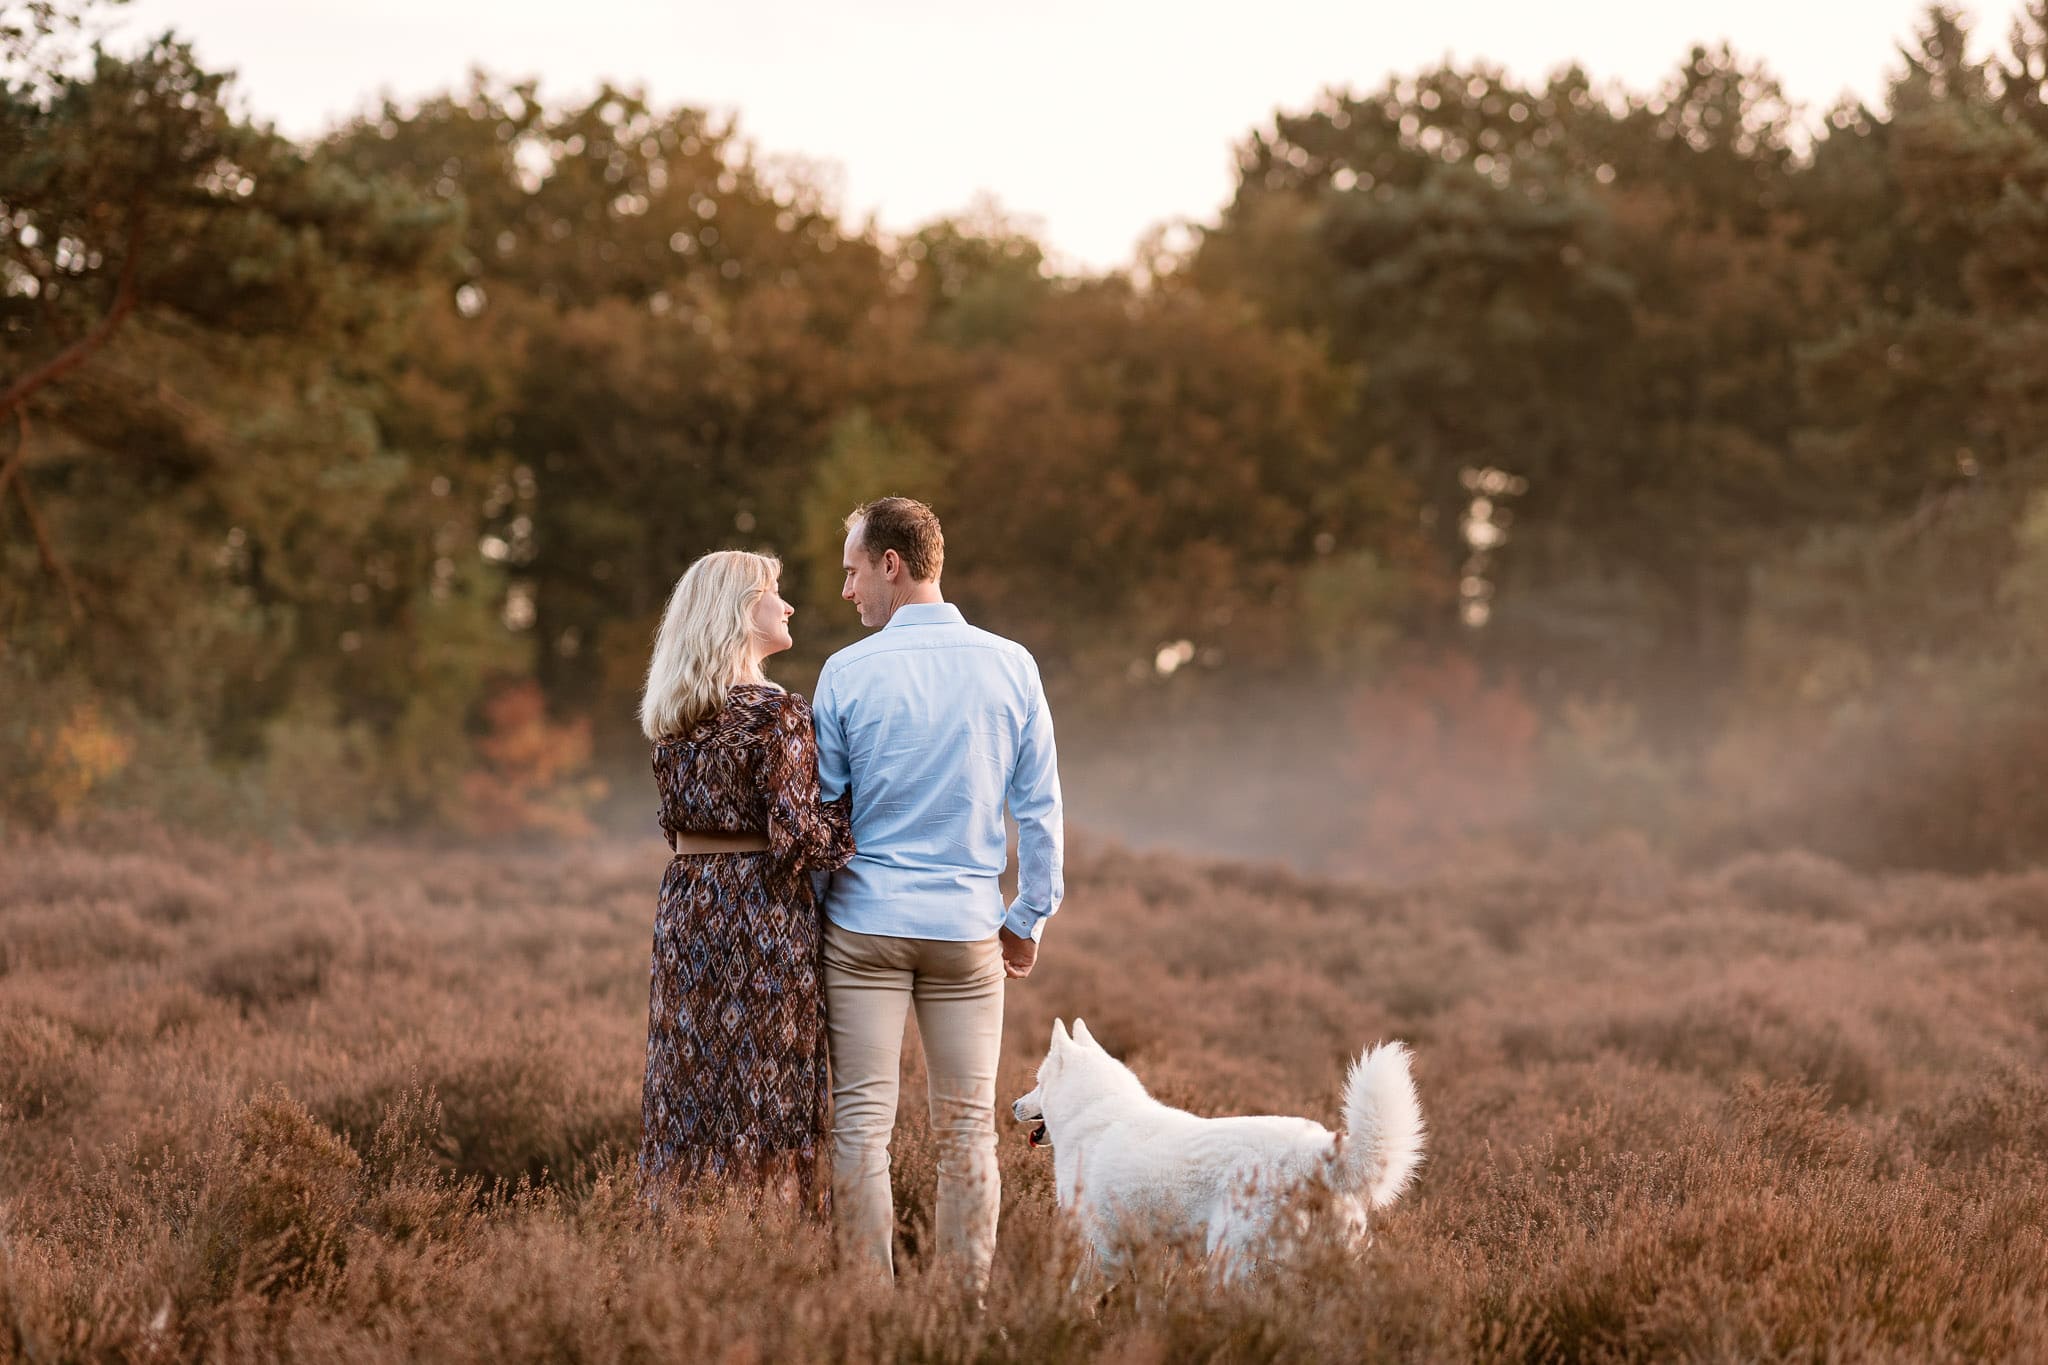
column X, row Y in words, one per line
column 862, row 462
column 1154, row 465
column 980, row 278
column 1890, row 715
column 1348, row 607
column 1601, row 298
column 643, row 342
column 200, row 325
column 1688, row 416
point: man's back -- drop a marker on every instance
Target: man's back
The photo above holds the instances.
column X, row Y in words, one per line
column 935, row 727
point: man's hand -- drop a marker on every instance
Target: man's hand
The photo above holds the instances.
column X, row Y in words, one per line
column 1018, row 953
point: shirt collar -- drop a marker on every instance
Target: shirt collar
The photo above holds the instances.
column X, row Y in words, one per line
column 926, row 614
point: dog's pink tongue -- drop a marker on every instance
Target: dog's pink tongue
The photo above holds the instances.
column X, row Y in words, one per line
column 1038, row 1135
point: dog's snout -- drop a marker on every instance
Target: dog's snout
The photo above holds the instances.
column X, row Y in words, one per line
column 1025, row 1108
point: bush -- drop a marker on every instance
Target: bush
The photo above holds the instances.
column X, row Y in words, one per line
column 279, row 1220
column 43, row 1068
column 1795, row 882
column 292, row 963
column 1998, row 1113
column 2020, row 903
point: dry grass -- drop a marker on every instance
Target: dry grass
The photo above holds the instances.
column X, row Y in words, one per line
column 362, row 1102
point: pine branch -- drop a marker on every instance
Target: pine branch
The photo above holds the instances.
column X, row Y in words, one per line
column 82, row 349
column 52, row 565
column 20, row 454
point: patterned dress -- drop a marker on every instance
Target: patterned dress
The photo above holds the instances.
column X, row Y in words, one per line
column 736, row 1086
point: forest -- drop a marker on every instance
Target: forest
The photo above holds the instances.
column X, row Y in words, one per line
column 1504, row 464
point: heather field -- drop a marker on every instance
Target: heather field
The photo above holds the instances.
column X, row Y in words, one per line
column 361, row 1102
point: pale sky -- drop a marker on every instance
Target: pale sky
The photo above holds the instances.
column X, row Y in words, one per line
column 1091, row 122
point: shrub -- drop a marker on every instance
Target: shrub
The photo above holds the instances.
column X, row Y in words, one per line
column 72, row 758
column 291, row 964
column 1727, row 1037
column 1669, row 1121
column 2001, row 1111
column 1795, row 882
column 43, row 1069
column 2020, row 903
column 1445, row 754
column 280, row 1217
column 530, row 773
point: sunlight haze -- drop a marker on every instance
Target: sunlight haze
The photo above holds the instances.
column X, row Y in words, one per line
column 1091, row 122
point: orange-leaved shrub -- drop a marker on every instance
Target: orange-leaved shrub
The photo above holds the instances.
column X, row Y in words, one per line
column 531, row 770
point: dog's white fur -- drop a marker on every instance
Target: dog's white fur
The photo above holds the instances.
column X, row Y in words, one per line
column 1127, row 1167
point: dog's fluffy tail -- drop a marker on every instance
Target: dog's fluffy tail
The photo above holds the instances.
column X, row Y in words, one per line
column 1382, row 1125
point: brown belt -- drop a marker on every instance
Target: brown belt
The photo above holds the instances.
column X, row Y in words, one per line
column 752, row 841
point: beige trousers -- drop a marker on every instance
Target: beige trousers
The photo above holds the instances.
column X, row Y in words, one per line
column 871, row 983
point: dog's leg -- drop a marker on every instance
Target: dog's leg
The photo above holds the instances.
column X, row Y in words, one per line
column 1096, row 1277
column 1233, row 1244
column 1086, row 1274
column 1228, row 1265
column 1091, row 1283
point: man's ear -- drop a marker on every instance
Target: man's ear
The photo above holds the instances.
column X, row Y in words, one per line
column 1082, row 1035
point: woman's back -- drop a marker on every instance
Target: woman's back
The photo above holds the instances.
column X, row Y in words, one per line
column 734, row 979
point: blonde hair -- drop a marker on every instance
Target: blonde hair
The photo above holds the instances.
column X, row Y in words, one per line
column 705, row 646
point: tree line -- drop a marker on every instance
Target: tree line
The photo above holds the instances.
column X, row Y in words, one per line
column 1671, row 407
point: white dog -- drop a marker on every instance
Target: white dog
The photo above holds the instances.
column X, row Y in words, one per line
column 1126, row 1166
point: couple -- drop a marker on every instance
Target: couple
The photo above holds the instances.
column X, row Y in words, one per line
column 891, row 787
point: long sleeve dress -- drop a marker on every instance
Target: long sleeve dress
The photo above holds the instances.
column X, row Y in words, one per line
column 736, row 1085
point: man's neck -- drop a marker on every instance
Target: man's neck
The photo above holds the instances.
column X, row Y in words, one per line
column 918, row 595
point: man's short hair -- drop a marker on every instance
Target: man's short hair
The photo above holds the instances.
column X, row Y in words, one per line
column 906, row 526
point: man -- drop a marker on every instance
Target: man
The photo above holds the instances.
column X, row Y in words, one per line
column 934, row 727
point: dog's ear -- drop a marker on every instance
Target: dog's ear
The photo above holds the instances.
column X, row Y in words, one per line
column 1059, row 1035
column 1082, row 1035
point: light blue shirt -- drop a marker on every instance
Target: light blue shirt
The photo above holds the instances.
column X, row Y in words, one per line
column 936, row 726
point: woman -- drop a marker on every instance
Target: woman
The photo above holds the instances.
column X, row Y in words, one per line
column 736, row 1086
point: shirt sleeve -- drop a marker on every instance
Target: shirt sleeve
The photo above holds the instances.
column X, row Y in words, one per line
column 802, row 830
column 1034, row 799
column 834, row 774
